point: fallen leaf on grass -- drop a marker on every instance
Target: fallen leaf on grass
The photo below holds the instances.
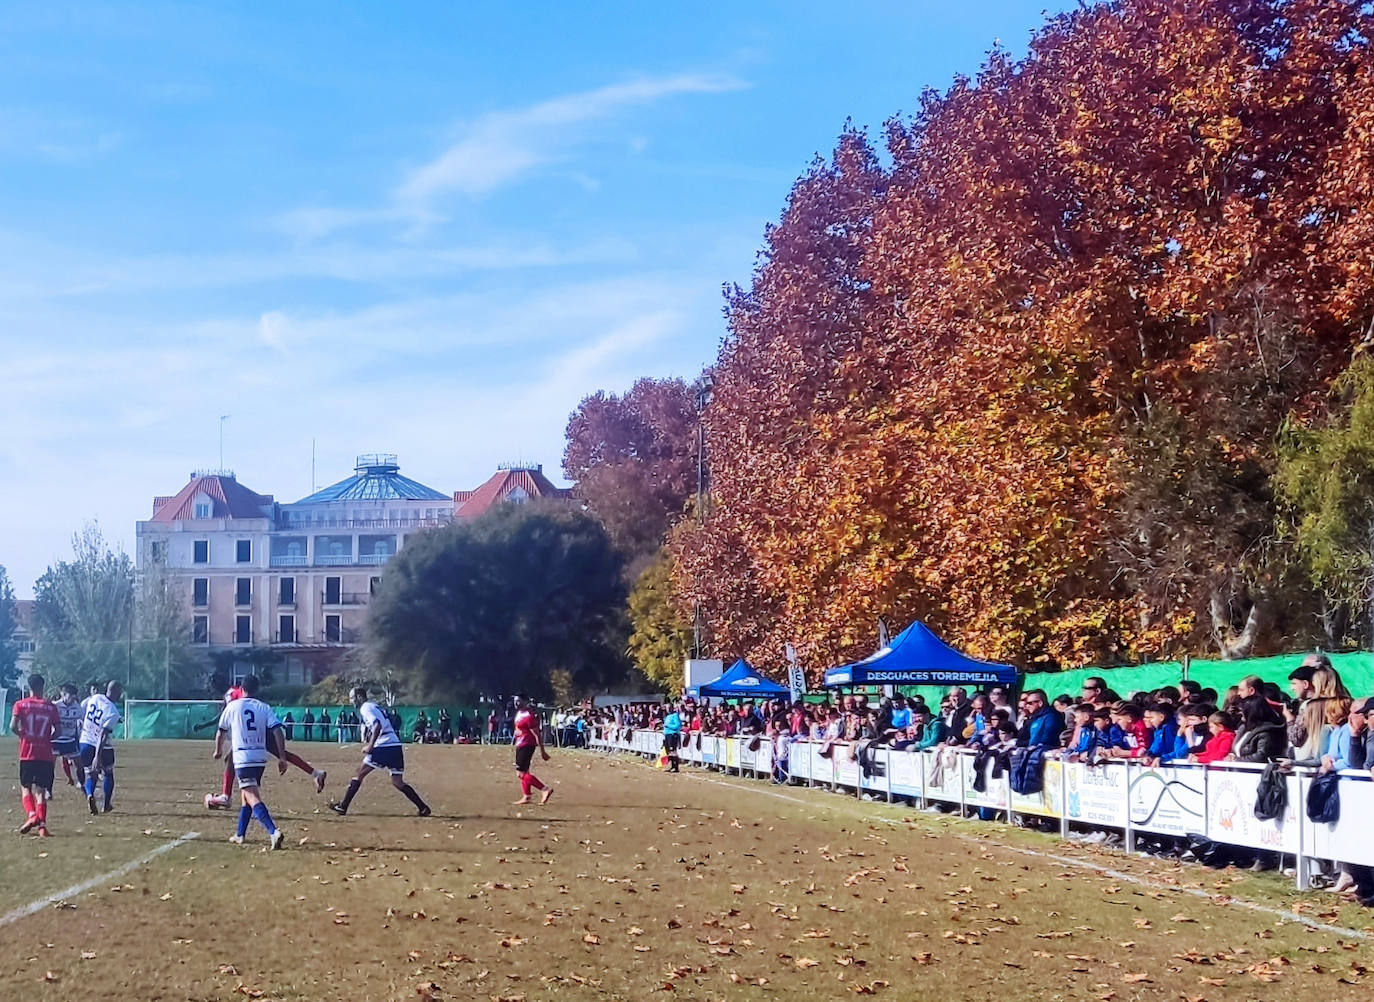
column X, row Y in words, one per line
column 869, row 989
column 1180, row 917
column 51, row 976
column 428, row 991
column 1214, row 982
column 511, row 941
column 166, row 897
column 414, row 955
column 591, row 939
column 87, row 954
column 1136, row 979
column 252, row 993
column 805, row 962
column 922, row 958
column 228, row 969
column 634, row 930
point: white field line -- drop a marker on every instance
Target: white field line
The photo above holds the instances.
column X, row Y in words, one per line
column 34, row 907
column 1083, row 864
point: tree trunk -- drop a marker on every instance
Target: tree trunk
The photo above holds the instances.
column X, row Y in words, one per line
column 1231, row 643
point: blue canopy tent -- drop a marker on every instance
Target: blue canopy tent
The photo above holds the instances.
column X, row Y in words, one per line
column 743, row 682
column 918, row 657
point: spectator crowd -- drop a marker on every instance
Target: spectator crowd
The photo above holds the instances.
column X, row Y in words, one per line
column 1315, row 724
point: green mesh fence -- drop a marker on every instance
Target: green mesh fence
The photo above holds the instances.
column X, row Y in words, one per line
column 178, row 719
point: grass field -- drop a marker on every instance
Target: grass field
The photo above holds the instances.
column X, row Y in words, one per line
column 629, row 884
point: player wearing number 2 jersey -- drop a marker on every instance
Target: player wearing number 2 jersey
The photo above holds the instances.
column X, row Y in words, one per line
column 254, row 735
column 66, row 745
column 381, row 750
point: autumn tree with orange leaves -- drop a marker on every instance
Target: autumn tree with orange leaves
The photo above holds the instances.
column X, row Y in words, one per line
column 1025, row 382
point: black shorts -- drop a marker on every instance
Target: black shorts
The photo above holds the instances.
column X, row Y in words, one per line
column 671, row 742
column 388, row 757
column 524, row 756
column 35, row 773
column 106, row 756
column 66, row 749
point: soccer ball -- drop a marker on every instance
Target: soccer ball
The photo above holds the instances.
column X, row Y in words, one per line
column 215, row 801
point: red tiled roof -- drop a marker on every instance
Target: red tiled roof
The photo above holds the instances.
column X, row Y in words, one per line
column 231, row 500
column 470, row 504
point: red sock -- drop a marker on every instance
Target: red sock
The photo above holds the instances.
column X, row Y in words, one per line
column 526, row 781
column 67, row 768
column 28, row 804
column 534, row 781
column 43, row 813
column 228, row 781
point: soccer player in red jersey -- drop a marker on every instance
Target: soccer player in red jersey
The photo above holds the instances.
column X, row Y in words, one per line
column 35, row 721
column 529, row 735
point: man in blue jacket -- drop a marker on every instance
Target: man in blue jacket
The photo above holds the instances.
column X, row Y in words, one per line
column 1044, row 724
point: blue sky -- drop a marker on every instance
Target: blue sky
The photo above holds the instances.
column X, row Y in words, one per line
column 427, row 228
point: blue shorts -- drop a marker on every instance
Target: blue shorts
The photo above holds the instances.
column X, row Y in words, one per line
column 66, row 749
column 388, row 757
column 88, row 756
column 249, row 776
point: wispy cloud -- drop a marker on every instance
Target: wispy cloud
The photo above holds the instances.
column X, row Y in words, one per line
column 502, row 146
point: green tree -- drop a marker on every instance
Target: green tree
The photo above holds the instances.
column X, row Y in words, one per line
column 9, row 622
column 1325, row 488
column 94, row 621
column 660, row 636
column 495, row 605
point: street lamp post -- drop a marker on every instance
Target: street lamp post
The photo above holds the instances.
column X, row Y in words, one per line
column 703, row 398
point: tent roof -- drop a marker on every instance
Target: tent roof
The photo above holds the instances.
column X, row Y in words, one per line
column 918, row 657
column 741, row 680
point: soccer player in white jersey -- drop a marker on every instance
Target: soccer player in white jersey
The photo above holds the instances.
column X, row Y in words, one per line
column 255, row 735
column 99, row 717
column 381, row 750
column 67, row 746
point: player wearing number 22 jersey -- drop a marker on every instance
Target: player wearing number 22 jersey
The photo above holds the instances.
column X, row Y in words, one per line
column 254, row 735
column 99, row 717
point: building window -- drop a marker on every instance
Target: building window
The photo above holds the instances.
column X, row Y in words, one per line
column 158, row 551
column 243, row 629
column 200, row 592
column 286, row 630
column 333, row 629
column 373, row 585
column 26, row 647
column 201, row 551
column 243, row 551
column 200, row 629
column 203, row 509
column 287, row 593
column 333, row 591
column 243, row 591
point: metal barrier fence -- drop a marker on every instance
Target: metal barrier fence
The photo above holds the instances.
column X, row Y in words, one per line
column 1213, row 801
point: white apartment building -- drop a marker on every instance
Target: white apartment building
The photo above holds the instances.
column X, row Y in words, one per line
column 295, row 577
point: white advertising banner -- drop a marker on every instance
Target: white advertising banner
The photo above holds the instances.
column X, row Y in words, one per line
column 1049, row 801
column 904, row 773
column 943, row 775
column 1096, row 794
column 1348, row 839
column 1231, row 812
column 1168, row 801
column 994, row 792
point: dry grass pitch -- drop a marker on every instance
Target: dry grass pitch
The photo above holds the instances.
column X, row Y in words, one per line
column 629, row 884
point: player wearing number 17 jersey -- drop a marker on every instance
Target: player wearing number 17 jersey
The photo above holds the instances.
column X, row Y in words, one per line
column 35, row 721
column 255, row 735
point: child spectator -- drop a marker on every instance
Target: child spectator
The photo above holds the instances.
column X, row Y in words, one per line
column 1163, row 734
column 1135, row 737
column 1219, row 744
column 1084, row 737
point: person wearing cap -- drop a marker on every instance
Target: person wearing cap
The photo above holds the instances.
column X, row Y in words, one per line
column 1301, row 686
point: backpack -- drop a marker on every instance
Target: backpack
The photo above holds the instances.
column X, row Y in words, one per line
column 1324, row 799
column 1271, row 799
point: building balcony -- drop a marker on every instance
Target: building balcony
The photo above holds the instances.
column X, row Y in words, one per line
column 339, row 638
column 288, row 561
column 330, row 560
column 344, row 598
column 374, row 559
